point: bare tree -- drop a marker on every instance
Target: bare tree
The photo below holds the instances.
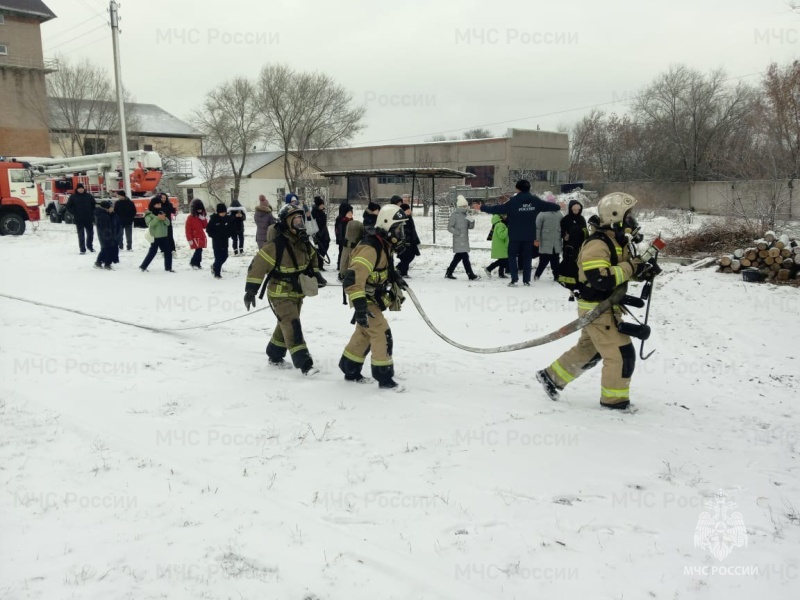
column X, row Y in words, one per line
column 81, row 108
column 780, row 108
column 694, row 114
column 231, row 122
column 479, row 133
column 308, row 113
column 440, row 137
column 216, row 170
column 580, row 134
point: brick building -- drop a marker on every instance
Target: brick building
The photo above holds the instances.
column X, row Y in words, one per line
column 22, row 71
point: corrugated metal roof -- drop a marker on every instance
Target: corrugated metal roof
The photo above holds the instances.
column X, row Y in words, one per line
column 152, row 119
column 35, row 8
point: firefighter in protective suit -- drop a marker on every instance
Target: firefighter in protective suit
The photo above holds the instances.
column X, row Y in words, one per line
column 283, row 259
column 604, row 263
column 372, row 286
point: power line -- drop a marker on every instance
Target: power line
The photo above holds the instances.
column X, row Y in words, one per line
column 81, row 35
column 71, row 30
column 100, row 39
column 558, row 112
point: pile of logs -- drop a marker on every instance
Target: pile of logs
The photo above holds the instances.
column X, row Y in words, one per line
column 776, row 257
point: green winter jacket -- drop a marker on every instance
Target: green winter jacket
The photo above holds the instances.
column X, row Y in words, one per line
column 158, row 228
column 499, row 238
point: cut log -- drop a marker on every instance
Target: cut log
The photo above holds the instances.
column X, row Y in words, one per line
column 763, row 253
column 784, row 274
column 772, row 274
column 726, row 260
column 775, row 267
column 769, row 261
column 787, row 263
column 786, row 252
column 784, row 239
column 774, row 252
column 746, row 262
column 770, row 236
column 738, row 253
column 762, row 245
column 736, row 265
column 751, row 254
column 797, row 259
column 727, row 270
column 796, row 249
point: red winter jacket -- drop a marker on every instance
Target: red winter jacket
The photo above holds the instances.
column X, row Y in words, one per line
column 196, row 231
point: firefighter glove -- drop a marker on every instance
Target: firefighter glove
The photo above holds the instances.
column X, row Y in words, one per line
column 361, row 312
column 641, row 270
column 249, row 300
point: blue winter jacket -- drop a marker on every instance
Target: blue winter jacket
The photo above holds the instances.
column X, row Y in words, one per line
column 522, row 211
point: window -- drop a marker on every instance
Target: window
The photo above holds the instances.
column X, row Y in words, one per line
column 189, row 194
column 20, row 176
column 147, row 147
column 388, row 179
column 281, row 194
column 3, row 49
column 484, row 176
column 94, row 146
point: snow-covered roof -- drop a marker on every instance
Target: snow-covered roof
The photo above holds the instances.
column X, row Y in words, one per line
column 35, row 8
column 151, row 119
column 193, row 182
column 253, row 162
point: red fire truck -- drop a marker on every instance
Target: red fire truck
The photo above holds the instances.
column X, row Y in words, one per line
column 20, row 197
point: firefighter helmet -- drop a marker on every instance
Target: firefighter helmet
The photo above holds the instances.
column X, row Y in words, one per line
column 612, row 208
column 292, row 219
column 390, row 222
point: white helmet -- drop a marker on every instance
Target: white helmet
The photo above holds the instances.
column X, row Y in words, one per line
column 390, row 222
column 612, row 208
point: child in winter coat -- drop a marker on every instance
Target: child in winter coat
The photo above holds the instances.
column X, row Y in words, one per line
column 499, row 236
column 263, row 218
column 106, row 234
column 169, row 210
column 158, row 227
column 238, row 216
column 339, row 227
column 220, row 229
column 548, row 241
column 412, row 248
column 196, row 224
column 459, row 225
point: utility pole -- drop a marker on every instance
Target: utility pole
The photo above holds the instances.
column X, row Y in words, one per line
column 123, row 134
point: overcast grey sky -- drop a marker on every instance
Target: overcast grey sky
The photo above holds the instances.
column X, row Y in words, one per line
column 425, row 66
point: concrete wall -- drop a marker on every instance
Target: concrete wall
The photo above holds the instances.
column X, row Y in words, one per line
column 650, row 194
column 714, row 197
column 22, row 89
column 521, row 150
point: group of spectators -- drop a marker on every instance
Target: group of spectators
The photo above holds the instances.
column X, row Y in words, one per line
column 523, row 228
column 349, row 231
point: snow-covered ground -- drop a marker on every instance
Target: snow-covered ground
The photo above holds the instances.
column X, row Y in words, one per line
column 177, row 465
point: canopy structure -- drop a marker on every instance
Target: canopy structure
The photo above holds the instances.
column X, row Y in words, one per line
column 432, row 173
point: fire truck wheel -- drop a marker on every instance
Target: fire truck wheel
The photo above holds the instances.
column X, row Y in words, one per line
column 11, row 224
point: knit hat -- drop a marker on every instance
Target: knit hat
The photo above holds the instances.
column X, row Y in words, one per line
column 372, row 206
column 395, row 199
column 405, row 206
column 318, row 201
column 290, row 198
column 461, row 202
column 222, row 208
column 106, row 204
column 80, row 186
column 523, row 185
